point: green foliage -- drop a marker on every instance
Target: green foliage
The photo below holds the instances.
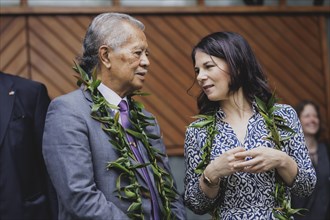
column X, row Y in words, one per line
column 118, row 138
column 274, row 123
column 208, row 121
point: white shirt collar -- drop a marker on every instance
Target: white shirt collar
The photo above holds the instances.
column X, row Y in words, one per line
column 111, row 96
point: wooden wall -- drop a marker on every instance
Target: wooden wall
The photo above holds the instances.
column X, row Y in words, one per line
column 291, row 45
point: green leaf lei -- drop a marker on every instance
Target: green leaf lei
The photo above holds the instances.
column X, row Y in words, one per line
column 208, row 121
column 273, row 124
column 133, row 191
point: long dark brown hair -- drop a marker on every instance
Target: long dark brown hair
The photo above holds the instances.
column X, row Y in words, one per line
column 244, row 68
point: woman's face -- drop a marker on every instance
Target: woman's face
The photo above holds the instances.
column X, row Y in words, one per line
column 212, row 76
column 309, row 120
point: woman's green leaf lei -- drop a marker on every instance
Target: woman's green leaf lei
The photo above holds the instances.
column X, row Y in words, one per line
column 110, row 124
column 273, row 123
column 209, row 122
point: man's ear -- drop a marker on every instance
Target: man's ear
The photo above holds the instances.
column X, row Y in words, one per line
column 104, row 55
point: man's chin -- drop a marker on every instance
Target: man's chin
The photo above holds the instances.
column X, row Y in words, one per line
column 136, row 88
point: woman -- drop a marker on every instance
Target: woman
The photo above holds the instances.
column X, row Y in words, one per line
column 318, row 203
column 235, row 176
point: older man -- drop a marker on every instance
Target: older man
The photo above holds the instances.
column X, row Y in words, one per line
column 103, row 151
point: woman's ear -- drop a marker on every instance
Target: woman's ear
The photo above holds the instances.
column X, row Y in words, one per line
column 104, row 55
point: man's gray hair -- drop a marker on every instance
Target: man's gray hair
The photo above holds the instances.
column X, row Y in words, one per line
column 105, row 29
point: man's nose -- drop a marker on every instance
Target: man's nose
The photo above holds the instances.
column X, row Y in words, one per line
column 145, row 60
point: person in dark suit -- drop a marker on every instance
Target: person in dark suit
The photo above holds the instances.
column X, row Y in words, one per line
column 23, row 178
column 104, row 166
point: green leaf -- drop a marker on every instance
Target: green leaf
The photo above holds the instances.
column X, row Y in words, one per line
column 143, row 116
column 285, row 139
column 135, row 134
column 266, row 118
column 152, row 136
column 95, row 107
column 261, row 105
column 80, row 81
column 95, row 84
column 134, row 206
column 138, row 105
column 139, row 93
column 116, row 118
column 155, row 170
column 129, row 194
column 118, row 184
column 208, row 117
column 94, row 75
column 279, row 119
column 118, row 166
column 111, row 105
column 279, row 216
column 83, row 74
column 271, row 101
column 111, row 130
column 140, row 165
column 201, row 124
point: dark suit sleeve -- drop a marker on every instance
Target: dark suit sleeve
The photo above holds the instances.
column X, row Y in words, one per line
column 42, row 104
column 40, row 113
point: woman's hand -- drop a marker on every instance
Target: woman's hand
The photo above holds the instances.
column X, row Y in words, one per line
column 262, row 159
column 259, row 159
column 225, row 164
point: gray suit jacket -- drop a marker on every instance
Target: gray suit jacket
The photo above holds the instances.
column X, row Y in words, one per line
column 76, row 152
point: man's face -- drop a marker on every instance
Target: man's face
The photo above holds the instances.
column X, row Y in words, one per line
column 129, row 63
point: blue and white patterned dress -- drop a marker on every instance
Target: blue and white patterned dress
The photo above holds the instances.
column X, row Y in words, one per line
column 246, row 195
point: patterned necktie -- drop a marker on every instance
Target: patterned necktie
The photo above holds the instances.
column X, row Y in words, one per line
column 124, row 116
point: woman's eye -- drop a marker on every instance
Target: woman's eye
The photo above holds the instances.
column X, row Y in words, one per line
column 209, row 66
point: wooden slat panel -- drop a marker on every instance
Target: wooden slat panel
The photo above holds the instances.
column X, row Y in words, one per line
column 287, row 55
column 54, row 46
column 13, row 46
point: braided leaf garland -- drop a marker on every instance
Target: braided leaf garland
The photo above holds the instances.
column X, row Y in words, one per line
column 208, row 121
column 273, row 124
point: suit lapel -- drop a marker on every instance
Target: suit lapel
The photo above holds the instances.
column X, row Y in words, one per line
column 7, row 98
column 86, row 94
column 134, row 162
